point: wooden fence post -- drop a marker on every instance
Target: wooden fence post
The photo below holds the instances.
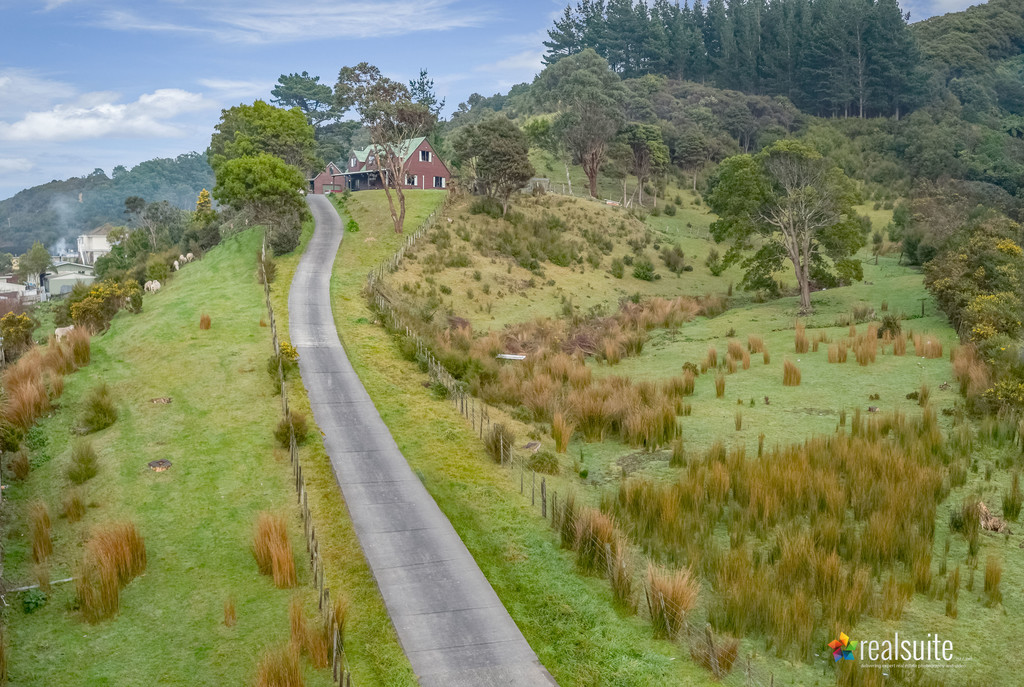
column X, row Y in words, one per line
column 543, row 498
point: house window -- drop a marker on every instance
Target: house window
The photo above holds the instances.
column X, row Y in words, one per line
column 410, row 179
column 438, row 182
column 353, row 162
column 424, row 156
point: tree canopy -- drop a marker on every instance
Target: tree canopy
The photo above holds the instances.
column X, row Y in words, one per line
column 249, row 130
column 787, row 203
column 497, row 152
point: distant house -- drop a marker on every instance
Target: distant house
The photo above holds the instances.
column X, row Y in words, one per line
column 423, row 170
column 94, row 244
column 64, row 275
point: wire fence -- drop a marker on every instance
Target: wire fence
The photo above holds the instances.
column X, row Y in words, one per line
column 340, row 672
column 713, row 653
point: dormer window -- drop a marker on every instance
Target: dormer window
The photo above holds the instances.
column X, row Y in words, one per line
column 424, row 156
column 353, row 162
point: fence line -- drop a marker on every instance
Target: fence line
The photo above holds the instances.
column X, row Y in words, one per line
column 340, row 672
column 698, row 640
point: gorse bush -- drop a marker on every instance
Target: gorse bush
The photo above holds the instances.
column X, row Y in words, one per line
column 98, row 410
column 295, row 423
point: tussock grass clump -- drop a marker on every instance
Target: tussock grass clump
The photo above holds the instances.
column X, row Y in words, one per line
column 54, row 385
column 279, row 667
column 790, row 374
column 671, row 596
column 297, row 621
column 204, row 321
column 84, row 463
column 114, row 556
column 25, row 390
column 1012, row 499
column 561, row 431
column 899, row 344
column 340, row 606
column 952, row 592
column 620, row 575
column 755, row 344
column 58, row 358
column 719, row 385
column 499, row 440
column 865, row 348
column 81, row 349
column 735, row 349
column 801, row 344
column 19, row 465
column 837, row 352
column 766, row 357
column 927, row 346
column 99, row 411
column 893, row 599
column 745, row 360
column 230, row 612
column 711, row 359
column 73, row 508
column 970, row 371
column 594, row 538
column 739, row 420
column 730, row 365
column 273, row 550
column 39, row 531
column 993, row 578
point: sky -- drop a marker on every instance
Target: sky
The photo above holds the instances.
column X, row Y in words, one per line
column 88, row 84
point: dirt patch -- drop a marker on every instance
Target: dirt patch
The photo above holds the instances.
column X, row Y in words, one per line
column 637, row 461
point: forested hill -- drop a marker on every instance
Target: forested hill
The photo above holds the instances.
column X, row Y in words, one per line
column 64, row 209
column 829, row 57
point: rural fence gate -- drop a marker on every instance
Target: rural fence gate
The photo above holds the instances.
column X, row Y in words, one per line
column 698, row 638
column 340, row 672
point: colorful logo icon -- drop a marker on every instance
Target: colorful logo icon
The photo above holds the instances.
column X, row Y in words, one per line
column 842, row 648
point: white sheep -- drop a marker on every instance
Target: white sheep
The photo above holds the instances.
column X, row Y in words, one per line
column 190, row 257
column 152, row 286
column 181, row 259
column 61, row 332
column 175, row 265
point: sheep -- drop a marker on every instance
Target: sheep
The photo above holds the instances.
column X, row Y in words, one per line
column 175, row 265
column 61, row 332
column 152, row 286
column 190, row 257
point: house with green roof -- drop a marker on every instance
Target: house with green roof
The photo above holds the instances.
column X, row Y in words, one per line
column 424, row 170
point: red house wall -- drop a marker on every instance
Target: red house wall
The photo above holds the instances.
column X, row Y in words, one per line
column 424, row 172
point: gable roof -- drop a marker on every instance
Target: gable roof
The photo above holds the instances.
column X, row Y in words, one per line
column 408, row 146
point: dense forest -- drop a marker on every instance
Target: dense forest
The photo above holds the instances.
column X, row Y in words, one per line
column 61, row 210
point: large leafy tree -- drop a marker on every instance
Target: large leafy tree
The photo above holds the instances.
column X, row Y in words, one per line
column 648, row 153
column 34, row 262
column 588, row 96
column 392, row 117
column 316, row 100
column 271, row 190
column 787, row 203
column 498, row 153
column 249, row 130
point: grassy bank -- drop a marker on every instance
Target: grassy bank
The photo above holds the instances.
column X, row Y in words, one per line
column 197, row 517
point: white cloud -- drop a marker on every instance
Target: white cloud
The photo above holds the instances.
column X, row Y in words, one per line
column 265, row 21
column 15, row 164
column 92, row 116
column 54, row 4
column 228, row 88
column 23, row 89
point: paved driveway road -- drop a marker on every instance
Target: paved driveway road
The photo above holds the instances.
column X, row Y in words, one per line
column 450, row 622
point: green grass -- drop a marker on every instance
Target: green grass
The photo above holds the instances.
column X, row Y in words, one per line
column 569, row 620
column 196, row 518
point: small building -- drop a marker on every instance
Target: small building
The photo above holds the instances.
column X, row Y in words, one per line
column 64, row 275
column 423, row 170
column 94, row 244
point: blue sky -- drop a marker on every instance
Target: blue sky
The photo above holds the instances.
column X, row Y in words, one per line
column 96, row 83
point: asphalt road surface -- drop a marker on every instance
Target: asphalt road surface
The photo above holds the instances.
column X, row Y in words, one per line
column 451, row 624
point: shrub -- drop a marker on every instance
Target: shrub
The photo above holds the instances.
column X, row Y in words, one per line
column 544, row 461
column 293, row 423
column 84, row 464
column 499, row 441
column 113, row 557
column 73, row 508
column 285, row 237
column 618, row 269
column 670, row 597
column 99, row 411
column 204, row 321
column 352, row 226
column 715, row 263
column 790, row 374
column 272, row 549
column 19, row 464
column 280, row 667
column 674, row 258
column 31, row 600
column 39, row 531
column 643, row 269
